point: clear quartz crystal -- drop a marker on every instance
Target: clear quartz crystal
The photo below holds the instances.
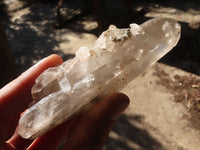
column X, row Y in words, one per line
column 118, row 56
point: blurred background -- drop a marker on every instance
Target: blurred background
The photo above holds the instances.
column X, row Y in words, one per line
column 32, row 29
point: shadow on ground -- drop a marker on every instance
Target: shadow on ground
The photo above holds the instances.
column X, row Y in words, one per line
column 128, row 136
column 186, row 55
column 33, row 39
column 35, row 35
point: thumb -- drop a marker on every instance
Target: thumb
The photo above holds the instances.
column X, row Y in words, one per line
column 91, row 130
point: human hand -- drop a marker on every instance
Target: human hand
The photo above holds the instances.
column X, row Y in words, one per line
column 87, row 132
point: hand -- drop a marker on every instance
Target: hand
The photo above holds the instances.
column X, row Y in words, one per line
column 87, row 132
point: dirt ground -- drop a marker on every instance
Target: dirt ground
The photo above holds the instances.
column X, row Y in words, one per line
column 162, row 122
column 30, row 28
column 169, row 120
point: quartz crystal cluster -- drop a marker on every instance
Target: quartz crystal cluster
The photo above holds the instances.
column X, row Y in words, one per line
column 117, row 57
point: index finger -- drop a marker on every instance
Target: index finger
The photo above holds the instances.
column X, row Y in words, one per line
column 15, row 96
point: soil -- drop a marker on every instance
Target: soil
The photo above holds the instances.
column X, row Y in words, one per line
column 186, row 90
column 41, row 16
column 167, row 122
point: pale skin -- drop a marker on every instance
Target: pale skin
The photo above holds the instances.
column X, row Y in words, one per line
column 87, row 132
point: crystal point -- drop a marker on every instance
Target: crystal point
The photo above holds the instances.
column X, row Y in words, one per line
column 118, row 56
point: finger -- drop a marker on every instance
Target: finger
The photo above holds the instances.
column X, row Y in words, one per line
column 52, row 139
column 16, row 96
column 7, row 127
column 90, row 130
column 17, row 142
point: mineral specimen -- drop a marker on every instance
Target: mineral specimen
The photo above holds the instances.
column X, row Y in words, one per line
column 118, row 56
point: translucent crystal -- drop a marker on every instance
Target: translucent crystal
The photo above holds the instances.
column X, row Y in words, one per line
column 118, row 56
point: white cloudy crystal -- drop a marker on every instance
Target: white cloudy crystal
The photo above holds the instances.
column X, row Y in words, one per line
column 118, row 56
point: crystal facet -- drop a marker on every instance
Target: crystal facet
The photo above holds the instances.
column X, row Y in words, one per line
column 118, row 56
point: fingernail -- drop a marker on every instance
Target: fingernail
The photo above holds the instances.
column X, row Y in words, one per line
column 120, row 105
